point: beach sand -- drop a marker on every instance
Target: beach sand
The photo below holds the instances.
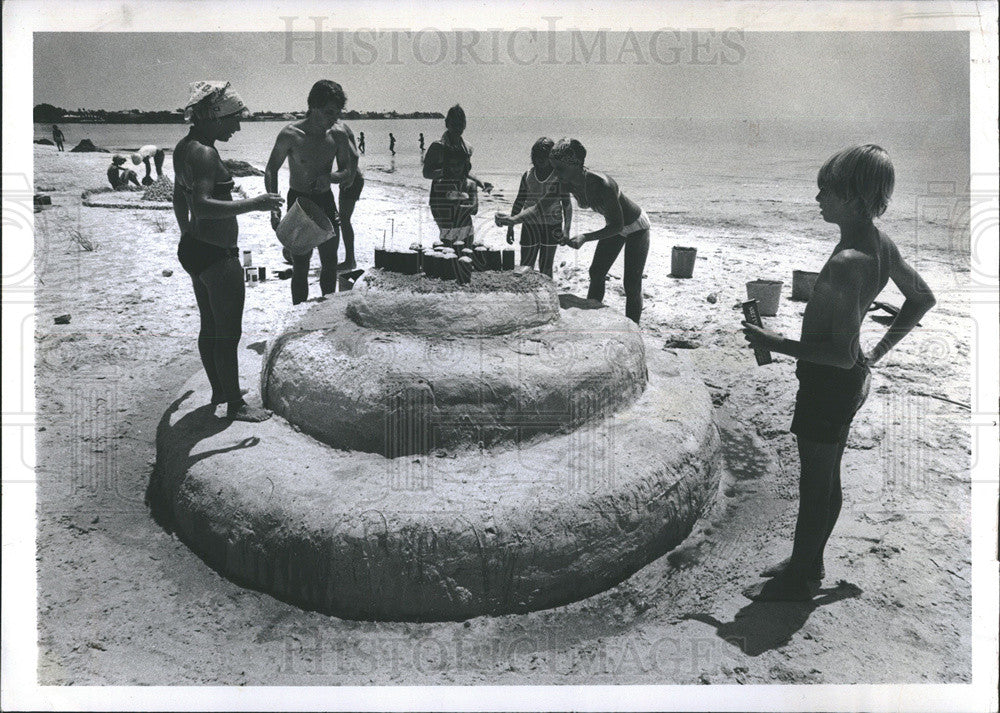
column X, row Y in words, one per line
column 120, row 601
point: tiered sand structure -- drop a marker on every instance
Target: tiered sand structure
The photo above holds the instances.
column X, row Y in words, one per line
column 443, row 451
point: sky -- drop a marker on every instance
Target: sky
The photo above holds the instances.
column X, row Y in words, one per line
column 690, row 74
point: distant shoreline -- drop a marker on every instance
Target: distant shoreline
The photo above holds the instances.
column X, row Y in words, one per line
column 48, row 114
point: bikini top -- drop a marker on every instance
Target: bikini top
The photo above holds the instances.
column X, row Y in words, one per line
column 221, row 190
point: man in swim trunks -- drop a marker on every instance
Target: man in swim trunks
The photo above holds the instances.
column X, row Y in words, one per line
column 311, row 145
column 834, row 374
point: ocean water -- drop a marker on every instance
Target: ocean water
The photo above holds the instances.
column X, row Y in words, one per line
column 710, row 173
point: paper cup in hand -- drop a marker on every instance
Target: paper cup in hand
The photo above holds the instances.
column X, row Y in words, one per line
column 304, row 227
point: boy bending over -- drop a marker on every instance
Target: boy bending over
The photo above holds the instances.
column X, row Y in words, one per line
column 834, row 374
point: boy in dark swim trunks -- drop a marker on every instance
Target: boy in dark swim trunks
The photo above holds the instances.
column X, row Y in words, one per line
column 834, row 374
column 310, row 146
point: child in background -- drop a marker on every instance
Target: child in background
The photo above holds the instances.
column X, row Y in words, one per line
column 544, row 231
column 454, row 200
column 833, row 372
column 121, row 178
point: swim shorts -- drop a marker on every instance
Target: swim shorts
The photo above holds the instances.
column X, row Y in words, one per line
column 325, row 201
column 539, row 234
column 353, row 191
column 828, row 399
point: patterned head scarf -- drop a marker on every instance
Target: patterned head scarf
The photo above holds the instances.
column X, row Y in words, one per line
column 213, row 100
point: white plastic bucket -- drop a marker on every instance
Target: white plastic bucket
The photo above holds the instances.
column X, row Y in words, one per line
column 768, row 295
column 304, row 227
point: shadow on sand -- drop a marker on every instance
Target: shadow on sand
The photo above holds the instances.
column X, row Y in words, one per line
column 188, row 432
column 567, row 300
column 762, row 626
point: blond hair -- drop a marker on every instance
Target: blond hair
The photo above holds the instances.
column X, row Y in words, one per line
column 862, row 172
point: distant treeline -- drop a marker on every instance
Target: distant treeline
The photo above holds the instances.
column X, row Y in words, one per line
column 48, row 114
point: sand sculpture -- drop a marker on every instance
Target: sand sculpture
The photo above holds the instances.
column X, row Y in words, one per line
column 442, row 451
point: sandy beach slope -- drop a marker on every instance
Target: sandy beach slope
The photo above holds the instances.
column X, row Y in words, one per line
column 122, row 602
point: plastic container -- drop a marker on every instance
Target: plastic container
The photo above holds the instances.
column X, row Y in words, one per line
column 494, row 259
column 447, row 268
column 479, row 258
column 768, row 295
column 803, row 283
column 682, row 261
column 409, row 262
column 304, row 227
column 464, row 270
column 427, row 264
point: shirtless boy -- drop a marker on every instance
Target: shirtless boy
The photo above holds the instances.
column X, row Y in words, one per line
column 311, row 145
column 834, row 374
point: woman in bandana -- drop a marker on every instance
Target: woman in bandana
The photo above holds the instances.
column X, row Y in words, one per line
column 206, row 214
column 626, row 224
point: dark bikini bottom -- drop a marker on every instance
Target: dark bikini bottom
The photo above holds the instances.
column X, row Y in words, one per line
column 196, row 256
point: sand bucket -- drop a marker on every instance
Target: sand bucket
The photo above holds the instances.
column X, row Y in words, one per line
column 464, row 269
column 432, row 264
column 409, row 262
column 682, row 261
column 419, row 250
column 447, row 268
column 479, row 258
column 768, row 295
column 304, row 227
column 494, row 259
column 507, row 260
column 427, row 264
column 803, row 283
